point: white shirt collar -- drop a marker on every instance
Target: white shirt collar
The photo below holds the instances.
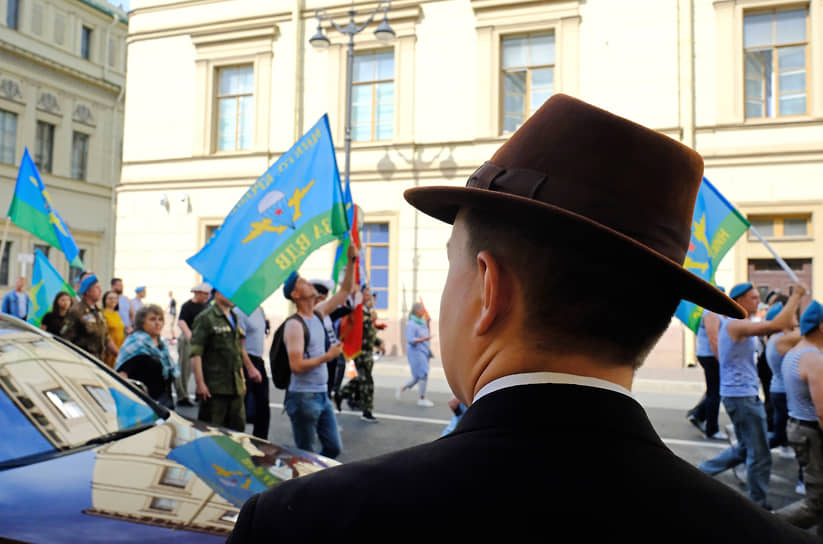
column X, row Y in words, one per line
column 528, row 378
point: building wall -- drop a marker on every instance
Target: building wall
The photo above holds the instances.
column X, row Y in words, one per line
column 677, row 69
column 46, row 79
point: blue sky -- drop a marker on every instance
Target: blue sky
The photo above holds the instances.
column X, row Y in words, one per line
column 120, row 3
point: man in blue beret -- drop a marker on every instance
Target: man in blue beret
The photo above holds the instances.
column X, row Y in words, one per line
column 740, row 388
column 803, row 378
column 307, row 401
column 85, row 325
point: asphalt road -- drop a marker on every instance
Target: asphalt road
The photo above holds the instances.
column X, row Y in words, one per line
column 403, row 423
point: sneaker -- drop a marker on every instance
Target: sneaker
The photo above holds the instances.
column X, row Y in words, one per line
column 398, row 393
column 786, row 452
column 367, row 416
column 800, row 488
column 696, row 422
column 719, row 435
column 425, row 402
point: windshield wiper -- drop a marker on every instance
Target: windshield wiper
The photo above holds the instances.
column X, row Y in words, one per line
column 116, row 435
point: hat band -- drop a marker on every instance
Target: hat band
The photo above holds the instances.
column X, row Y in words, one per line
column 665, row 239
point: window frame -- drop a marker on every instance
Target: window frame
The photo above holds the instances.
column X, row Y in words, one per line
column 367, row 246
column 5, row 263
column 529, row 69
column 48, row 167
column 778, row 226
column 374, row 83
column 86, row 41
column 775, row 70
column 217, row 97
column 13, row 14
column 16, row 135
column 85, row 164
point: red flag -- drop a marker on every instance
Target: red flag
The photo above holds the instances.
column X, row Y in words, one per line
column 351, row 326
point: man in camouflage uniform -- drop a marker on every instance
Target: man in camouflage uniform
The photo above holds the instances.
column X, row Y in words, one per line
column 360, row 390
column 85, row 326
column 217, row 361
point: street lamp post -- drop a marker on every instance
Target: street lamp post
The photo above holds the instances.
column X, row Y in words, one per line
column 383, row 32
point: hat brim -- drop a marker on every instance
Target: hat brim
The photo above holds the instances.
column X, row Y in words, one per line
column 443, row 203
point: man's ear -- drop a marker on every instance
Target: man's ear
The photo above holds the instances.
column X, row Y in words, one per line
column 497, row 292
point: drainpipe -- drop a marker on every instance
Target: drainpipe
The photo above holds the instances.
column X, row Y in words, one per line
column 299, row 67
column 115, row 173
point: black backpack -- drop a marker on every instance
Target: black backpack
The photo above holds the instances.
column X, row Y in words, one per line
column 279, row 355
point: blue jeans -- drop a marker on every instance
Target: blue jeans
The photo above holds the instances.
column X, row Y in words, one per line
column 310, row 414
column 749, row 419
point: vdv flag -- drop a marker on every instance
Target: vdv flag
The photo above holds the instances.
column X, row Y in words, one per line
column 291, row 210
column 31, row 209
column 716, row 226
column 46, row 282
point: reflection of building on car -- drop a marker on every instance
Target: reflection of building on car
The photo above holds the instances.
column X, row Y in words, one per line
column 107, row 460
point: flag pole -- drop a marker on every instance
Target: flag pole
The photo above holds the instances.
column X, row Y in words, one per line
column 780, row 261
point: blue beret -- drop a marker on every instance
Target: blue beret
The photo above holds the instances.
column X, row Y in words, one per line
column 288, row 287
column 86, row 283
column 773, row 311
column 811, row 318
column 740, row 289
column 141, row 288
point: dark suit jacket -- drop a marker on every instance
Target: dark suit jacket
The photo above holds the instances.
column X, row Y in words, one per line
column 533, row 461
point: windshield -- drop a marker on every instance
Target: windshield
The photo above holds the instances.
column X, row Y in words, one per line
column 52, row 398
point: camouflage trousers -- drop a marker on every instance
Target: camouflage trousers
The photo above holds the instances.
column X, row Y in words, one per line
column 359, row 391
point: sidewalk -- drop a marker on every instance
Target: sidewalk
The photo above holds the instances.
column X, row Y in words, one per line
column 647, row 380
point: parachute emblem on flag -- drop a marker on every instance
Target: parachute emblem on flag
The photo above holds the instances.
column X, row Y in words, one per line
column 277, row 212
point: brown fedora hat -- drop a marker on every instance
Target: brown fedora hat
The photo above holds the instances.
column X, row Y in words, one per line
column 572, row 164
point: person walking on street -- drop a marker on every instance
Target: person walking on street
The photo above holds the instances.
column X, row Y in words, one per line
column 123, row 305
column 704, row 415
column 803, row 377
column 777, row 346
column 217, row 360
column 53, row 320
column 258, row 412
column 531, row 329
column 418, row 351
column 172, row 316
column 137, row 301
column 188, row 312
column 307, row 401
column 85, row 326
column 17, row 302
column 740, row 389
column 117, row 331
column 362, row 387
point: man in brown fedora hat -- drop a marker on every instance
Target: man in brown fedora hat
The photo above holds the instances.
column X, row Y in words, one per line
column 542, row 347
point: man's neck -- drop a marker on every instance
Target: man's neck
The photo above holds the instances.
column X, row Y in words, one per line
column 225, row 308
column 514, row 359
column 90, row 303
column 305, row 307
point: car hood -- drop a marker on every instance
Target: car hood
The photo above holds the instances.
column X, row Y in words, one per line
column 178, row 481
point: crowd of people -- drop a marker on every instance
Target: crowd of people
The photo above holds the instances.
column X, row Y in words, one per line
column 777, row 349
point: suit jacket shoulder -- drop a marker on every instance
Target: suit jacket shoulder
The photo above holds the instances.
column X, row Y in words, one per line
column 524, row 460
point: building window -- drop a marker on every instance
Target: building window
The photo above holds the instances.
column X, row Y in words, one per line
column 376, row 247
column 176, row 476
column 44, row 146
column 85, row 42
column 4, row 264
column 13, row 14
column 527, row 76
column 775, row 49
column 372, row 115
column 45, row 248
column 79, row 155
column 74, row 272
column 781, row 226
column 162, row 504
column 66, row 405
column 8, row 136
column 235, row 108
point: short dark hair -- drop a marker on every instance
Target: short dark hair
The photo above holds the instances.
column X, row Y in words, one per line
column 115, row 280
column 581, row 291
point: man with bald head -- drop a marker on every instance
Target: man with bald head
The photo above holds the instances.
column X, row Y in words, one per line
column 541, row 332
